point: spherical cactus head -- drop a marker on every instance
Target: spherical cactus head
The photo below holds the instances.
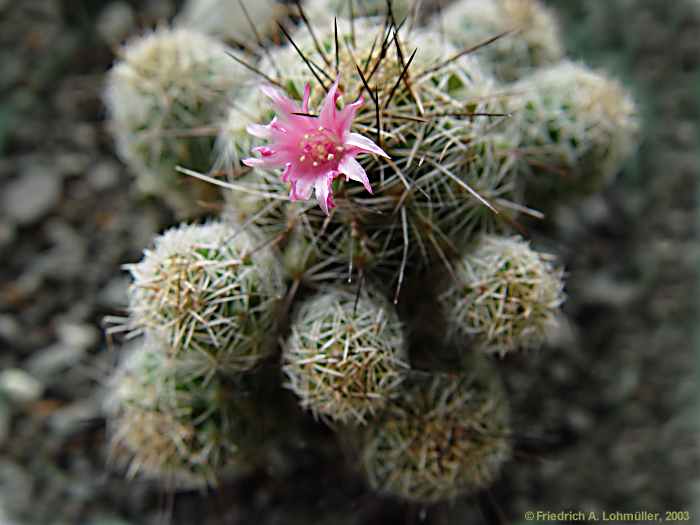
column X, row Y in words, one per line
column 322, row 12
column 505, row 296
column 210, row 293
column 533, row 40
column 576, row 128
column 345, row 358
column 163, row 95
column 446, row 435
column 172, row 423
column 241, row 23
column 431, row 112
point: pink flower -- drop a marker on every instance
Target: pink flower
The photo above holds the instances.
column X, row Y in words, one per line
column 312, row 150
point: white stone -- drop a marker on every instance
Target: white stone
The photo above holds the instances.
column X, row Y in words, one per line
column 19, row 386
column 115, row 22
column 32, row 195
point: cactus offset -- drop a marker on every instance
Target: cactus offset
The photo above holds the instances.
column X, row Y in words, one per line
column 445, row 436
column 506, row 296
column 172, row 423
column 533, row 41
column 345, row 361
column 208, row 292
column 163, row 96
column 576, row 128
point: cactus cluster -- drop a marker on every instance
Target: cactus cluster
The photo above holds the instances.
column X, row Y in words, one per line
column 241, row 23
column 322, row 12
column 457, row 122
column 205, row 300
column 442, row 156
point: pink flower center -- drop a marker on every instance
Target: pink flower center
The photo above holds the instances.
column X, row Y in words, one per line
column 320, row 148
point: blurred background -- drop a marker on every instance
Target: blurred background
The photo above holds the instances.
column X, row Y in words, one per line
column 606, row 420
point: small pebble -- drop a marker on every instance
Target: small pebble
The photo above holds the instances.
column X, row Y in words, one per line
column 78, row 335
column 5, row 420
column 115, row 22
column 50, row 361
column 19, row 386
column 104, row 175
column 8, row 233
column 115, row 294
column 70, row 163
column 31, row 196
column 9, row 327
column 605, row 289
column 70, row 418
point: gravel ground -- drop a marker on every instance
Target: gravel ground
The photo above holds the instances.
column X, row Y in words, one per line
column 605, row 419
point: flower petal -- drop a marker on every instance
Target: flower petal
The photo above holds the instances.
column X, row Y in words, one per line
column 324, row 195
column 260, row 130
column 327, row 118
column 253, row 162
column 301, row 188
column 272, row 160
column 293, row 135
column 364, row 145
column 307, row 96
column 346, row 116
column 264, row 151
column 285, row 173
column 352, row 170
column 284, row 104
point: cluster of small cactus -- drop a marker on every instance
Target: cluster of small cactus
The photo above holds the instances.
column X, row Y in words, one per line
column 457, row 121
column 205, row 302
column 574, row 123
column 239, row 22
